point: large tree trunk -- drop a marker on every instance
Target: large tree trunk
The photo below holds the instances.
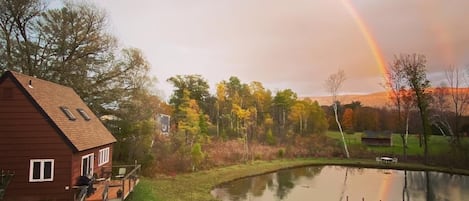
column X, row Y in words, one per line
column 426, row 132
column 404, row 145
column 406, row 135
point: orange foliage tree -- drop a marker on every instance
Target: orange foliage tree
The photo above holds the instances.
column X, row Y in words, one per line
column 347, row 120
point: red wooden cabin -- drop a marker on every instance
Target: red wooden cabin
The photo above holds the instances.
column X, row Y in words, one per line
column 48, row 139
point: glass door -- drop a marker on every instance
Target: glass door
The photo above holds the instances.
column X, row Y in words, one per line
column 87, row 163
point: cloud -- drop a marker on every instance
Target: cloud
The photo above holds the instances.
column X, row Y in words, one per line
column 288, row 44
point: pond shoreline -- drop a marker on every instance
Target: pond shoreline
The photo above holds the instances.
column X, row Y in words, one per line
column 336, row 182
column 198, row 185
column 363, row 163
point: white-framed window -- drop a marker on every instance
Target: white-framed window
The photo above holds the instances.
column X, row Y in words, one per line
column 103, row 156
column 87, row 165
column 41, row 170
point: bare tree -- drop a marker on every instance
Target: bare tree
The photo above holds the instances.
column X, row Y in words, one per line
column 460, row 98
column 333, row 84
column 414, row 67
column 408, row 105
column 441, row 108
column 396, row 84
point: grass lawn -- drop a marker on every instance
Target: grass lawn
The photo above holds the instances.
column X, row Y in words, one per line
column 436, row 144
column 197, row 186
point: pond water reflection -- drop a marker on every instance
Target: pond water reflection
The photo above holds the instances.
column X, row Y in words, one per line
column 340, row 183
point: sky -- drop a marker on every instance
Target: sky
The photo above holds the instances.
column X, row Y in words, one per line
column 291, row 44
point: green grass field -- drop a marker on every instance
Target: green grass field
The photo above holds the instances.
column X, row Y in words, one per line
column 437, row 144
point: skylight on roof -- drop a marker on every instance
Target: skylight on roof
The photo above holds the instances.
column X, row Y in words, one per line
column 83, row 114
column 68, row 113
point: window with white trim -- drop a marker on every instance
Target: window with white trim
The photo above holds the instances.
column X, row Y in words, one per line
column 103, row 156
column 87, row 165
column 41, row 170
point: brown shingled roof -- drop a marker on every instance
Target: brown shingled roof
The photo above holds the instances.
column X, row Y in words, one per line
column 82, row 134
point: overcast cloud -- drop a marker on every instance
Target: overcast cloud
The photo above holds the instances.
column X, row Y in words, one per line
column 289, row 44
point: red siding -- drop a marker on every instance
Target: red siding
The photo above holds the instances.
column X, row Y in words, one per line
column 76, row 164
column 24, row 135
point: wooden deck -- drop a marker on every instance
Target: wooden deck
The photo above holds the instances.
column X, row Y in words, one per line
column 106, row 189
column 114, row 185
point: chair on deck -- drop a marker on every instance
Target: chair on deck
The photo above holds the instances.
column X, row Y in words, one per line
column 121, row 173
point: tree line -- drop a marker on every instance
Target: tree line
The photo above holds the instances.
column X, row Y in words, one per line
column 244, row 111
column 238, row 109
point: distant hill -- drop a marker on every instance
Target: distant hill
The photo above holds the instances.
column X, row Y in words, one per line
column 379, row 99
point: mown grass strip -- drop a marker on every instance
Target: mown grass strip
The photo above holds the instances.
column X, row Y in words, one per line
column 197, row 186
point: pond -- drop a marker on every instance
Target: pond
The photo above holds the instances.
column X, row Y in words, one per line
column 346, row 183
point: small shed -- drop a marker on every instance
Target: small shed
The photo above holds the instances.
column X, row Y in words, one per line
column 49, row 138
column 375, row 138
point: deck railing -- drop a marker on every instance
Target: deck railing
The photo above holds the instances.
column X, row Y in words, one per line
column 119, row 179
column 127, row 180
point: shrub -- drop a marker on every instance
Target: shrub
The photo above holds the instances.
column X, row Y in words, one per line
column 270, row 138
column 281, row 152
column 197, row 156
column 257, row 156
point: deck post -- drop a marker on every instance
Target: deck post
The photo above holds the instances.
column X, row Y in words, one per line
column 123, row 189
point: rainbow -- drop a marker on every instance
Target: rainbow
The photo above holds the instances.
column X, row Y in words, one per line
column 383, row 192
column 371, row 41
